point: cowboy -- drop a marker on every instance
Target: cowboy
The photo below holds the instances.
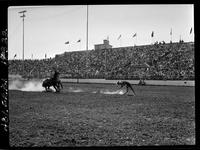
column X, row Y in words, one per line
column 127, row 85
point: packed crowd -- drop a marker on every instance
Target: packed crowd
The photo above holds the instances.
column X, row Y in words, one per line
column 171, row 61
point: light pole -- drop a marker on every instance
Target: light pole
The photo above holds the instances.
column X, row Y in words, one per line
column 87, row 53
column 87, row 30
column 23, row 36
column 78, row 71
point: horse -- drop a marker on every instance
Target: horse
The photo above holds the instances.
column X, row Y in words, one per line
column 47, row 83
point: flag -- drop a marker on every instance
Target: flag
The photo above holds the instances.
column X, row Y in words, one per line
column 15, row 55
column 135, row 35
column 79, row 41
column 119, row 37
column 190, row 30
column 152, row 34
column 171, row 32
column 67, row 42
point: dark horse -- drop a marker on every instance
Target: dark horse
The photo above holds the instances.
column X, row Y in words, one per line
column 55, row 82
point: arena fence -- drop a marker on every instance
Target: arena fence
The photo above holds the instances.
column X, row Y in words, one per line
column 106, row 81
column 148, row 82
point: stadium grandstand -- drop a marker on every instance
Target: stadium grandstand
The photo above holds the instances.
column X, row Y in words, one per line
column 159, row 61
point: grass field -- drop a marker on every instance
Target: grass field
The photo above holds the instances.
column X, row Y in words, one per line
column 157, row 115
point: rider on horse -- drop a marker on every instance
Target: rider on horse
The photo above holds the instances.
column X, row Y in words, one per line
column 55, row 76
column 56, row 79
column 53, row 81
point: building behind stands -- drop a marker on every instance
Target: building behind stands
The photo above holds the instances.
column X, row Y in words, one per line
column 105, row 45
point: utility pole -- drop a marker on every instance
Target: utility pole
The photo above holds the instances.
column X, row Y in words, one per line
column 23, row 36
column 87, row 31
column 105, row 74
column 78, row 71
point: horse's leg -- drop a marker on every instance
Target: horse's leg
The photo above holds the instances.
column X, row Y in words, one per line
column 126, row 91
column 58, row 87
column 57, row 84
column 55, row 88
column 61, row 85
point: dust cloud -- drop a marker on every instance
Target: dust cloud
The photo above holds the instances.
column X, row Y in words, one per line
column 36, row 85
column 22, row 85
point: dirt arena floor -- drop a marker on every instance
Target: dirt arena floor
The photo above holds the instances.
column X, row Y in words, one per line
column 95, row 115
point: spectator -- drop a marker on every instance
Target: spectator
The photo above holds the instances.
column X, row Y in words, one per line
column 166, row 61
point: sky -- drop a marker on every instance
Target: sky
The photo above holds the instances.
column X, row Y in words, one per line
column 47, row 28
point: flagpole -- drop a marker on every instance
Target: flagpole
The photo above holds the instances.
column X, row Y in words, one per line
column 171, row 39
column 80, row 46
column 136, row 39
column 191, row 34
column 171, row 35
column 152, row 35
column 119, row 38
column 67, row 43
